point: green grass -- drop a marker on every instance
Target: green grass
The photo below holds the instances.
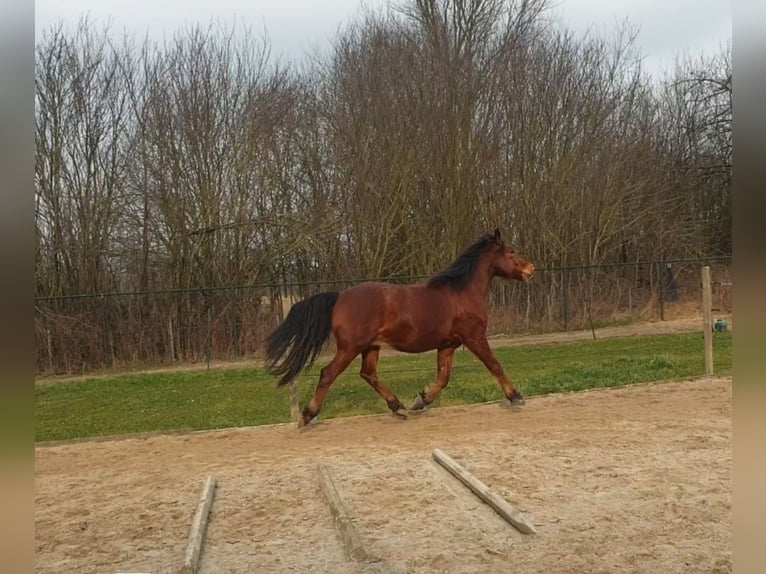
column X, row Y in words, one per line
column 193, row 400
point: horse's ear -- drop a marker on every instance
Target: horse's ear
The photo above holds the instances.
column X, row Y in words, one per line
column 496, row 236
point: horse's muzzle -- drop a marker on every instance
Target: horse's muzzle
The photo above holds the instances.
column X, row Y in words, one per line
column 528, row 273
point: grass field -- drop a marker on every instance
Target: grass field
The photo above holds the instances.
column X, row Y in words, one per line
column 219, row 398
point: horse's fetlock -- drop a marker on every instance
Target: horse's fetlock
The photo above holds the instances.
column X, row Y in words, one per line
column 395, row 405
column 307, row 415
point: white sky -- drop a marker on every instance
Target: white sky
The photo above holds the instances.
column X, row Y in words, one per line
column 296, row 27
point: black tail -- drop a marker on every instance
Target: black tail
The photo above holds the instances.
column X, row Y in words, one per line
column 304, row 331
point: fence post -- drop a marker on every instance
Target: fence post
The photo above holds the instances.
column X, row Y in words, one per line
column 661, row 278
column 209, row 345
column 49, row 340
column 707, row 319
column 105, row 333
column 171, row 338
column 565, row 295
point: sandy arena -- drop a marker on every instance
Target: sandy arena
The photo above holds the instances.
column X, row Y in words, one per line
column 628, row 480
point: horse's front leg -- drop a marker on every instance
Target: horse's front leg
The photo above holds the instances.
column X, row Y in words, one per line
column 444, row 369
column 480, row 347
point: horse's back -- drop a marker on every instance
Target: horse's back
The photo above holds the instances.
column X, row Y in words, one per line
column 373, row 302
column 410, row 318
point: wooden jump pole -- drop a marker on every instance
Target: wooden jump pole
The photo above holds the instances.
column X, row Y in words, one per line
column 351, row 541
column 707, row 319
column 198, row 527
column 497, row 502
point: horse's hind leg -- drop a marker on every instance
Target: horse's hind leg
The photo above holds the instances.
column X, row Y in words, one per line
column 370, row 374
column 444, row 369
column 340, row 361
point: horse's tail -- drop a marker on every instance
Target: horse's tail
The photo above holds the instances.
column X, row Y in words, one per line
column 304, row 331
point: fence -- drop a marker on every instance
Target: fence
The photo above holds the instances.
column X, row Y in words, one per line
column 81, row 333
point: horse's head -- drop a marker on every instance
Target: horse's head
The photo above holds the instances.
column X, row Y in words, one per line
column 508, row 264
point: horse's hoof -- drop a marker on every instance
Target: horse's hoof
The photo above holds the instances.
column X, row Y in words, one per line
column 311, row 425
column 514, row 403
column 418, row 403
column 303, row 422
column 400, row 414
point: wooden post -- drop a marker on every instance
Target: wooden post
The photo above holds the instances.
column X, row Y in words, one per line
column 171, row 340
column 707, row 319
column 565, row 295
column 198, row 527
column 105, row 334
column 209, row 342
column 351, row 540
column 497, row 502
column 50, row 349
column 550, row 308
column 662, row 277
column 287, row 304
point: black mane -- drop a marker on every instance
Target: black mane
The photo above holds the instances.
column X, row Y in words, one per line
column 461, row 271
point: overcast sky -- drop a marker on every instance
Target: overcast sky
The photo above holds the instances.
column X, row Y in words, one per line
column 295, row 27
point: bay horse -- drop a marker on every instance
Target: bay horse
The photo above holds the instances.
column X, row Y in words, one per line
column 445, row 312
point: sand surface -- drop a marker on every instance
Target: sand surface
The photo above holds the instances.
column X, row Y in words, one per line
column 627, row 480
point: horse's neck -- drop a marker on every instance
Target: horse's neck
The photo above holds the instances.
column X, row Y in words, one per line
column 482, row 279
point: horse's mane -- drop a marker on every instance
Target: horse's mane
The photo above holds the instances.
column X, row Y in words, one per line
column 461, row 270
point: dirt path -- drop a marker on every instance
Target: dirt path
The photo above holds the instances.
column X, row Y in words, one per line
column 628, row 480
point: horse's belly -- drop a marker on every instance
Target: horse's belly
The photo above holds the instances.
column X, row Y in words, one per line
column 417, row 343
column 412, row 347
column 412, row 321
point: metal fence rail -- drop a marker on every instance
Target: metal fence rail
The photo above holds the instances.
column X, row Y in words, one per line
column 81, row 332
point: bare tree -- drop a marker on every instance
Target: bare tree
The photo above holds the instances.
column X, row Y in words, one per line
column 199, row 165
column 698, row 112
column 81, row 126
